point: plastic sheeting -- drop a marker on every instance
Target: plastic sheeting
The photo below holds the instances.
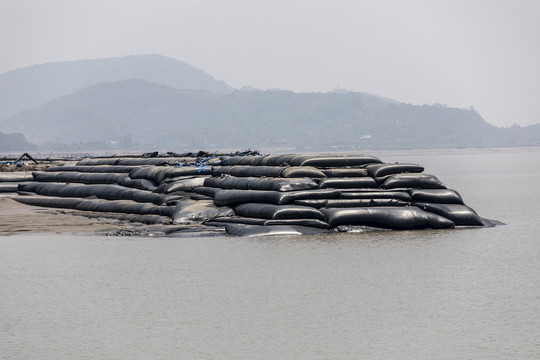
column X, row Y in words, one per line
column 258, row 230
column 198, row 211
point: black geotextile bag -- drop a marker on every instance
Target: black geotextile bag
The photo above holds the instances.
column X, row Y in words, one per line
column 413, row 181
column 235, row 197
column 255, row 221
column 247, row 171
column 136, row 161
column 333, row 203
column 270, row 211
column 329, row 161
column 253, row 183
column 375, row 194
column 379, row 170
column 458, row 213
column 388, row 217
column 441, row 196
column 93, row 169
column 141, row 184
column 159, row 173
column 78, row 177
column 15, row 177
column 183, row 183
column 108, row 192
column 348, row 183
column 345, row 172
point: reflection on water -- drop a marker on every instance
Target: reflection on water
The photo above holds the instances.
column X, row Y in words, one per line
column 454, row 294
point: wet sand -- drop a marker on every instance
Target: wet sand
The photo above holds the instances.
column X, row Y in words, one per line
column 17, row 218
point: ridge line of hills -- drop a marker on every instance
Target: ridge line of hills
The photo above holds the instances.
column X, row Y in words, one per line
column 167, row 104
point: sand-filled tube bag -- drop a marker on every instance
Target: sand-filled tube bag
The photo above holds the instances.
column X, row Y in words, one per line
column 458, row 213
column 236, row 197
column 184, row 183
column 348, row 183
column 117, row 206
column 159, row 173
column 247, row 171
column 345, row 172
column 108, row 192
column 9, row 187
column 253, row 183
column 134, row 161
column 96, row 205
column 77, row 177
column 302, row 171
column 276, row 160
column 93, row 169
column 206, row 191
column 379, row 170
column 374, row 194
column 255, row 221
column 441, row 196
column 141, row 184
column 413, row 181
column 270, row 211
column 330, row 161
column 320, row 203
column 242, row 160
column 388, row 217
column 16, row 177
column 51, row 202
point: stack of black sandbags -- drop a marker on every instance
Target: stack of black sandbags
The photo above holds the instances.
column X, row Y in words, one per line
column 333, row 192
column 255, row 194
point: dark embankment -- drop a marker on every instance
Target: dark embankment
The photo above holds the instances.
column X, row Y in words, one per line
column 250, row 194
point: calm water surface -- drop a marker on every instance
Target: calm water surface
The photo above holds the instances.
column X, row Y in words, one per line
column 459, row 294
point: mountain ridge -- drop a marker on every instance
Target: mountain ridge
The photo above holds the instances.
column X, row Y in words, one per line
column 155, row 115
column 26, row 88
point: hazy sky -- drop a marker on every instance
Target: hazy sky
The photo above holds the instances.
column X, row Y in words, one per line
column 484, row 53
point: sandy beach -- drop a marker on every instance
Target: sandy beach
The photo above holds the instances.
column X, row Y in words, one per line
column 17, row 218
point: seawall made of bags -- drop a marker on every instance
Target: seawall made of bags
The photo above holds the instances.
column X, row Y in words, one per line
column 286, row 193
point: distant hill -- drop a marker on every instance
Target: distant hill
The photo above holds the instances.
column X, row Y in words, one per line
column 29, row 87
column 15, row 142
column 163, row 117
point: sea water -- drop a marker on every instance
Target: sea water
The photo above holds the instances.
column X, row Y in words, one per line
column 452, row 294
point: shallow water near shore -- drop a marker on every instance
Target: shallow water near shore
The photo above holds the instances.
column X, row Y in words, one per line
column 453, row 294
